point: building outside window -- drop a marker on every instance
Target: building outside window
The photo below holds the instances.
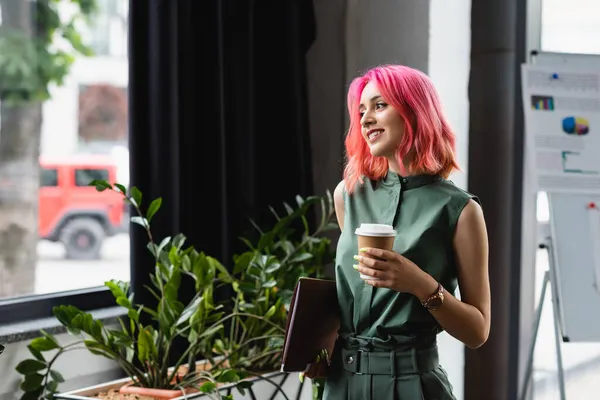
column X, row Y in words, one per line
column 107, row 33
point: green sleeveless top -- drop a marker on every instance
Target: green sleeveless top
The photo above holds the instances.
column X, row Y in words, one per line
column 424, row 211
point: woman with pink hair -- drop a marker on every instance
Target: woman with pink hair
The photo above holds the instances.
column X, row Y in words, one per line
column 399, row 154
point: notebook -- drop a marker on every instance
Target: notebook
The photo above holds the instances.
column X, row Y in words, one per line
column 313, row 323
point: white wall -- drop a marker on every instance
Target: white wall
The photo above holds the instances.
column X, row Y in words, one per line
column 386, row 31
column 449, row 66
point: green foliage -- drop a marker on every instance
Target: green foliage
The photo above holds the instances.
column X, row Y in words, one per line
column 142, row 350
column 263, row 280
column 33, row 59
column 243, row 339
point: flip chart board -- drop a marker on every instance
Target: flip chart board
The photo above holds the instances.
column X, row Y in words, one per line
column 561, row 99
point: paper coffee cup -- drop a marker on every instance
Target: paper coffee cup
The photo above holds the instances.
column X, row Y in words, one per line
column 378, row 236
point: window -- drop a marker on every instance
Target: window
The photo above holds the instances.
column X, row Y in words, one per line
column 571, row 26
column 48, row 177
column 80, row 238
column 107, row 34
column 83, row 177
column 566, row 27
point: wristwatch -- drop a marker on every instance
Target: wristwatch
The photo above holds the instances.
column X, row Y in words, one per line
column 436, row 300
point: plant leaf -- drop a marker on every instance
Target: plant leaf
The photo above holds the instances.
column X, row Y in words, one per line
column 289, row 209
column 28, row 367
column 269, row 284
column 245, row 384
column 272, row 268
column 271, row 312
column 136, row 195
column 101, row 185
column 301, row 257
column 57, row 376
column 144, row 346
column 207, row 387
column 228, row 376
column 32, row 383
column 36, row 353
column 43, row 344
column 121, row 188
column 274, row 213
column 189, row 310
column 140, row 221
column 153, row 208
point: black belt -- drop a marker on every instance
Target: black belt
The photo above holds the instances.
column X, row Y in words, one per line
column 393, row 363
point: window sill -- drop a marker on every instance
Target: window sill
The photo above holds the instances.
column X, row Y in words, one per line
column 27, row 330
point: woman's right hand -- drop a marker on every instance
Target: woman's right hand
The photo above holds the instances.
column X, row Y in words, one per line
column 318, row 368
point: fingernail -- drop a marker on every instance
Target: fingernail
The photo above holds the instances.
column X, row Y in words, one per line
column 355, row 266
column 363, row 249
column 357, row 257
column 318, row 359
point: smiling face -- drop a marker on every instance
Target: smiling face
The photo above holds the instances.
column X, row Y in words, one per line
column 381, row 125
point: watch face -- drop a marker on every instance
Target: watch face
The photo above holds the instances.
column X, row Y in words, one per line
column 436, row 302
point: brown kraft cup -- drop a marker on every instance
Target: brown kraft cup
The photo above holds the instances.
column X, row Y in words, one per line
column 378, row 236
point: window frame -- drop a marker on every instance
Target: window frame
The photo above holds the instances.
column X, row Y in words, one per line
column 38, row 306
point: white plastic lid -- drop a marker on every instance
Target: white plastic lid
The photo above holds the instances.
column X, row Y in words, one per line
column 375, row 230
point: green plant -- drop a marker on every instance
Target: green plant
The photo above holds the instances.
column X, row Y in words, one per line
column 263, row 280
column 2, row 348
column 142, row 350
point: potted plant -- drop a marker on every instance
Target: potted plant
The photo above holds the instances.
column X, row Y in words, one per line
column 142, row 350
column 262, row 280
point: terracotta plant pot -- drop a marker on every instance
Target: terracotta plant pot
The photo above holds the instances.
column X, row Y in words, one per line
column 261, row 390
column 158, row 394
column 166, row 394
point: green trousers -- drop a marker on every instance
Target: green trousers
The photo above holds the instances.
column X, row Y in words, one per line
column 412, row 374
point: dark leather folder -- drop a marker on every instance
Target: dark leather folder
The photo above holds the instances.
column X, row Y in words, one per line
column 313, row 323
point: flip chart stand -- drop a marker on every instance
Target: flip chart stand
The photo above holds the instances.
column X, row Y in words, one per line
column 549, row 278
column 594, row 221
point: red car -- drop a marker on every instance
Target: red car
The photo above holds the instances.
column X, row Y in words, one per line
column 74, row 213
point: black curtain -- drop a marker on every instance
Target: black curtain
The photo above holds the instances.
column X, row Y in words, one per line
column 218, row 117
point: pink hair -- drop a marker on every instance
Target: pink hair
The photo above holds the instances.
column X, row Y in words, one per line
column 427, row 131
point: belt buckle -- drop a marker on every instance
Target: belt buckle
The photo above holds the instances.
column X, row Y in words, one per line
column 358, row 357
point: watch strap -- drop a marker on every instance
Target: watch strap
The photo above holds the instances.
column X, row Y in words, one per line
column 434, row 298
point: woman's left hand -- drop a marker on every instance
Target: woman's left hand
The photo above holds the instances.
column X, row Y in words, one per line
column 394, row 271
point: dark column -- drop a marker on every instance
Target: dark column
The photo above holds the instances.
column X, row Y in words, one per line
column 495, row 174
